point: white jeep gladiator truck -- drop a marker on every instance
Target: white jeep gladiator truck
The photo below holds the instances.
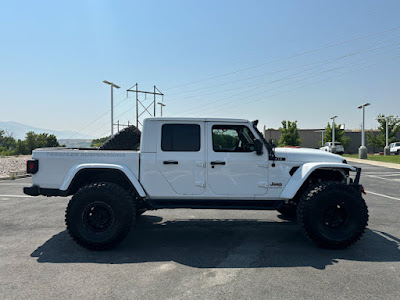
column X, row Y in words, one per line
column 199, row 163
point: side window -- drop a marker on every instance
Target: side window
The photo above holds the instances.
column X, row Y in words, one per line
column 180, row 137
column 232, row 138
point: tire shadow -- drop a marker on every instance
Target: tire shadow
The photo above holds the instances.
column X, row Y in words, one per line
column 220, row 243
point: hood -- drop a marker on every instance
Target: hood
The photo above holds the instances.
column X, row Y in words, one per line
column 307, row 155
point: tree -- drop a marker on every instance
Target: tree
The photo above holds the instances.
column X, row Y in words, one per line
column 7, row 143
column 99, row 142
column 339, row 135
column 289, row 134
column 379, row 140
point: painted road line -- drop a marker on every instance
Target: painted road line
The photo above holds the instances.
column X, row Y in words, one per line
column 383, row 178
column 381, row 195
column 15, row 196
column 17, row 183
column 386, row 174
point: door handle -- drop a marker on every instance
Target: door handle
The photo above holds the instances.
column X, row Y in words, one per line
column 170, row 162
column 218, row 162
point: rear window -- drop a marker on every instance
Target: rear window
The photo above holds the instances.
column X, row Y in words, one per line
column 397, row 144
column 338, row 144
column 180, row 137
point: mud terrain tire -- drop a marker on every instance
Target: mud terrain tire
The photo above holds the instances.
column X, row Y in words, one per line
column 100, row 215
column 126, row 139
column 333, row 215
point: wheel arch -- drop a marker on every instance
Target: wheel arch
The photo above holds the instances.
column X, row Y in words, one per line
column 327, row 171
column 80, row 175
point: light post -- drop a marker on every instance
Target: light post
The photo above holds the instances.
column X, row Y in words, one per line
column 363, row 151
column 386, row 150
column 112, row 103
column 333, row 134
column 162, row 105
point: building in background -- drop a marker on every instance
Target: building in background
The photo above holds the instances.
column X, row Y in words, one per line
column 312, row 139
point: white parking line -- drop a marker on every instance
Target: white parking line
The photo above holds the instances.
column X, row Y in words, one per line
column 383, row 178
column 381, row 195
column 382, row 174
column 15, row 196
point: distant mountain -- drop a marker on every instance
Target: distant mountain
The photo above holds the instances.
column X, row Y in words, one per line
column 19, row 130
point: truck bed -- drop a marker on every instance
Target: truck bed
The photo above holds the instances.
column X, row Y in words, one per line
column 55, row 164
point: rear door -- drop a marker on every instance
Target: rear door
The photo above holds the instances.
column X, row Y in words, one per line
column 181, row 156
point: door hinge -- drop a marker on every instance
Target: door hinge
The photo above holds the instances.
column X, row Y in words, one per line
column 263, row 184
column 200, row 183
column 201, row 164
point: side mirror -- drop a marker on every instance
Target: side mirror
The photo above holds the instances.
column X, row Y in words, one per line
column 258, row 146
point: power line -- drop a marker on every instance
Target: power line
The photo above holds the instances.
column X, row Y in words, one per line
column 289, row 57
column 292, row 76
column 371, row 48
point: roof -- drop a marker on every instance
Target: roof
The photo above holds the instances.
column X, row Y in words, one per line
column 178, row 119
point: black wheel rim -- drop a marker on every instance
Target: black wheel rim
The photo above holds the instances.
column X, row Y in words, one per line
column 98, row 217
column 335, row 216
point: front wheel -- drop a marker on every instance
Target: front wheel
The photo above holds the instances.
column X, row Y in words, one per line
column 100, row 215
column 333, row 215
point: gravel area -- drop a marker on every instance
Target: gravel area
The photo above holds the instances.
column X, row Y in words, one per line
column 13, row 164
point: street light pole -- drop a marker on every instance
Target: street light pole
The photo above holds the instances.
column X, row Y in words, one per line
column 162, row 105
column 386, row 150
column 333, row 134
column 112, row 103
column 363, row 151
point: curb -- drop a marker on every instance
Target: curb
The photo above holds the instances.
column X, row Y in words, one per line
column 374, row 163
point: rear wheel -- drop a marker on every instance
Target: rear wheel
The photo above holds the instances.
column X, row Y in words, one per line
column 333, row 215
column 100, row 215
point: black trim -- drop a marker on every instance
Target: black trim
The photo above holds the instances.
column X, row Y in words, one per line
column 215, row 204
column 293, row 170
column 34, row 190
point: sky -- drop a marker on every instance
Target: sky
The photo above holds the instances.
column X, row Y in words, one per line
column 267, row 60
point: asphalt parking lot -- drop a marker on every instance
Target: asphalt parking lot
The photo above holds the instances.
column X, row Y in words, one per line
column 199, row 254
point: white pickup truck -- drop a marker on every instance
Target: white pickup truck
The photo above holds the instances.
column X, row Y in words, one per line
column 339, row 149
column 199, row 163
column 394, row 148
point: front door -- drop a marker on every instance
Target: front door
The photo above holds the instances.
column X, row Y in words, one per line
column 181, row 157
column 233, row 167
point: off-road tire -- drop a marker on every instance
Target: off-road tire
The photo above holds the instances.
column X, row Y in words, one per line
column 99, row 215
column 288, row 210
column 333, row 215
column 126, row 139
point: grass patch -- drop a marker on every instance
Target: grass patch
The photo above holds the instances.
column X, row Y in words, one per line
column 390, row 159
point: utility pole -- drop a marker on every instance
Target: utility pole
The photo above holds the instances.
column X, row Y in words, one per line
column 333, row 134
column 161, row 104
column 363, row 151
column 155, row 92
column 112, row 103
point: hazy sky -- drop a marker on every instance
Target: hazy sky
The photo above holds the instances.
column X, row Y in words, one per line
column 267, row 60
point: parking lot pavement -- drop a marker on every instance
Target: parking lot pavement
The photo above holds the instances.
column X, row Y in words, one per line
column 199, row 254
